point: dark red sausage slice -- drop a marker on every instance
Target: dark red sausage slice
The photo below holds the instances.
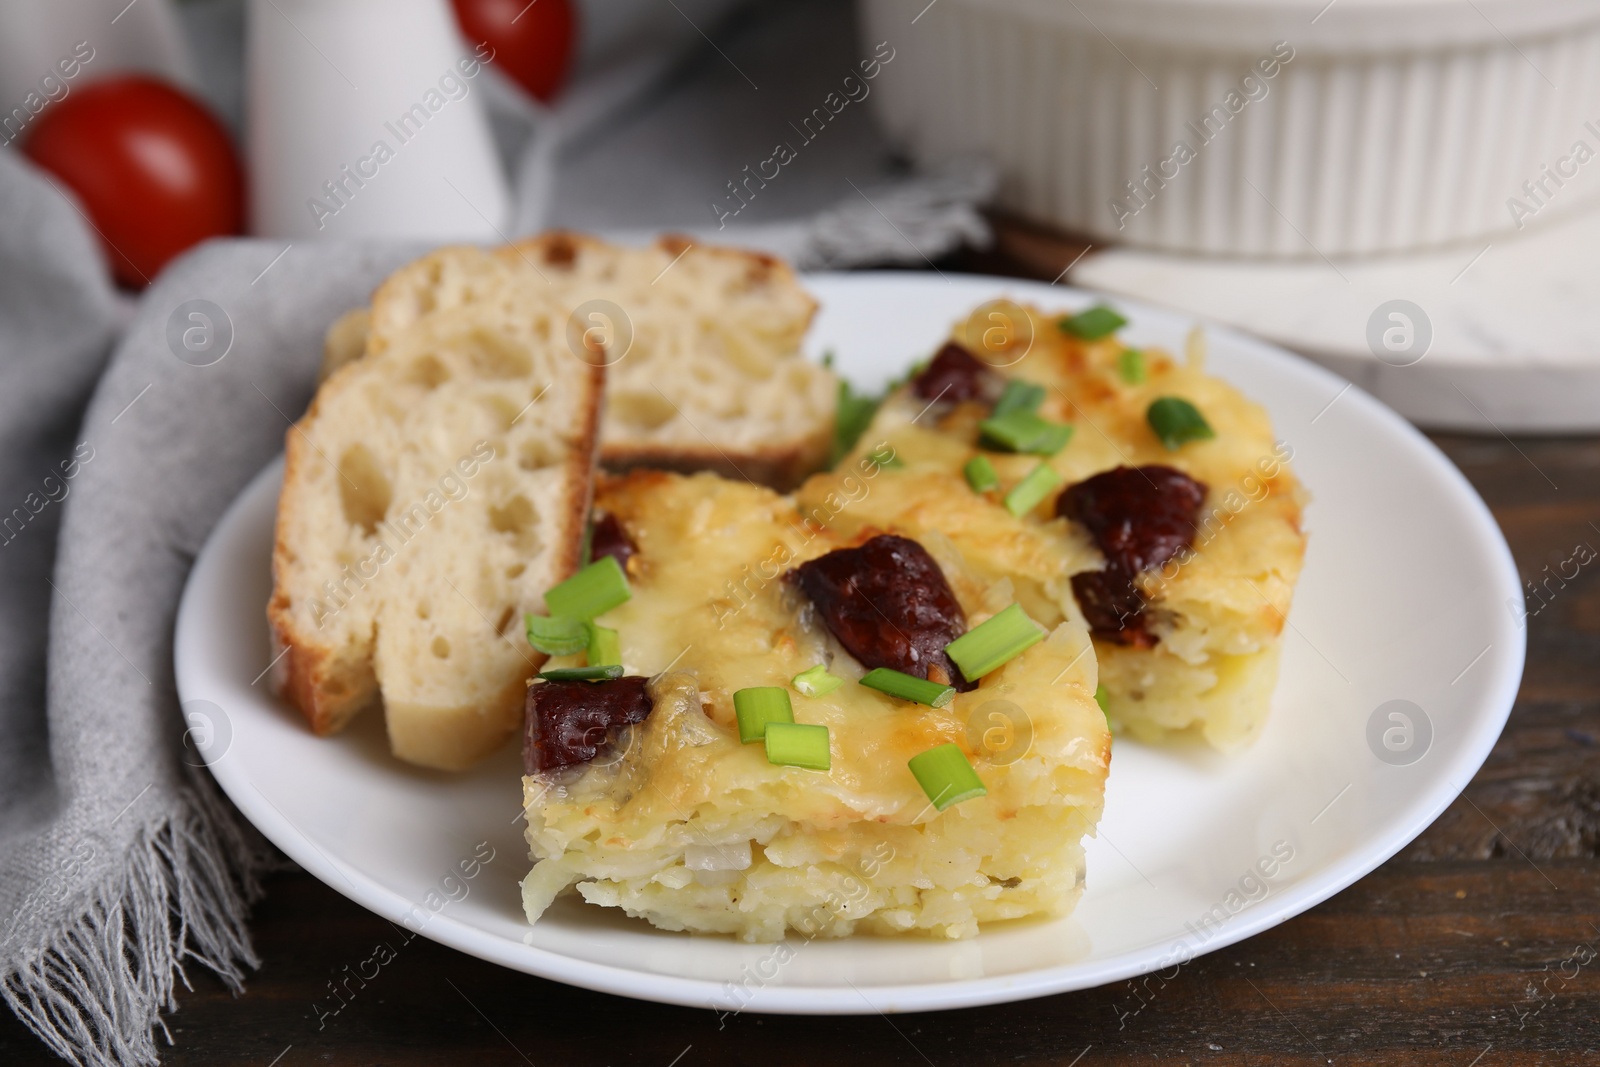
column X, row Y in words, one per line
column 1112, row 607
column 571, row 722
column 955, row 375
column 1141, row 517
column 610, row 539
column 888, row 604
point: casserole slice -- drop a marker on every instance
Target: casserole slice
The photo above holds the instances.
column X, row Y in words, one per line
column 641, row 794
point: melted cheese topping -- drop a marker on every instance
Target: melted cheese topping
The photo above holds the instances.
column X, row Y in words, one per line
column 1219, row 610
column 709, row 598
column 711, row 614
column 1232, row 595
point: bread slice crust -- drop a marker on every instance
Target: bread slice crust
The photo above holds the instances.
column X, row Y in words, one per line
column 333, row 675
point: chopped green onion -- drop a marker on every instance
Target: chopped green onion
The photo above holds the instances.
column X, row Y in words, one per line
column 946, row 776
column 595, row 590
column 759, row 706
column 1102, row 696
column 908, row 687
column 1177, row 422
column 1023, row 431
column 1099, row 321
column 605, row 646
column 798, row 744
column 852, row 415
column 1031, row 491
column 1130, row 365
column 994, row 642
column 1018, row 396
column 980, row 474
column 1053, row 440
column 817, row 682
column 582, row 674
column 556, row 635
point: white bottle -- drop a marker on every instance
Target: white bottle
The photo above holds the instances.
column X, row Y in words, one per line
column 365, row 119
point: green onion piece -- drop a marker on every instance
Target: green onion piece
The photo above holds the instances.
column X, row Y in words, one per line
column 852, row 416
column 1053, row 440
column 582, row 674
column 817, row 682
column 605, row 646
column 758, row 707
column 1101, row 697
column 994, row 642
column 1130, row 365
column 595, row 590
column 1177, row 422
column 908, row 687
column 1023, row 431
column 1019, row 396
column 556, row 635
column 946, row 776
column 980, row 474
column 1099, row 321
column 1031, row 491
column 798, row 744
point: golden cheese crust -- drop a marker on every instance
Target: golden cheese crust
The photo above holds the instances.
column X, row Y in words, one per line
column 1218, row 611
column 710, row 614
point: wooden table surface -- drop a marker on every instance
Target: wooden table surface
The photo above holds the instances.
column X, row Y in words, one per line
column 1477, row 946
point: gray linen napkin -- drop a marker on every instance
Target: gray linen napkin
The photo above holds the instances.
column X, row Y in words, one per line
column 119, row 863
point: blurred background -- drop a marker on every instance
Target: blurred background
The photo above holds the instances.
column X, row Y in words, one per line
column 1400, row 189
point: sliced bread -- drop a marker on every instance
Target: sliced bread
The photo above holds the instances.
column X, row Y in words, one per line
column 345, row 341
column 715, row 379
column 435, row 489
column 705, row 369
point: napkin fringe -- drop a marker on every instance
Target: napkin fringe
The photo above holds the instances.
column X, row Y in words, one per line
column 96, row 990
column 913, row 220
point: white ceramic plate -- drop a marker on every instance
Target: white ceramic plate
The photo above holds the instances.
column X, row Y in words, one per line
column 1409, row 594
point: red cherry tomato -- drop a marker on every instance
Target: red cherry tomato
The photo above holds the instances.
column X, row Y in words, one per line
column 532, row 42
column 155, row 172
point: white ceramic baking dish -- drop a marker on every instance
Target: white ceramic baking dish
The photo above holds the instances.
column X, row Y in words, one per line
column 1262, row 128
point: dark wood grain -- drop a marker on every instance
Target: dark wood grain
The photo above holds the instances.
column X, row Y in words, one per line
column 1463, row 950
